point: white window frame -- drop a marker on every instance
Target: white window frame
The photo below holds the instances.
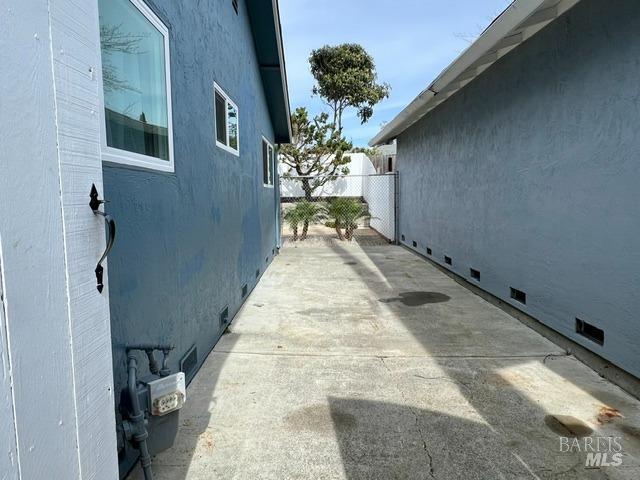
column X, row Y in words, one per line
column 124, row 157
column 271, row 164
column 228, row 101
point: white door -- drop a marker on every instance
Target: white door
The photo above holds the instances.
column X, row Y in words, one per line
column 56, row 390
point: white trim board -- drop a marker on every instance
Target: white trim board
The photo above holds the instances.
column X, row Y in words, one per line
column 75, row 40
column 10, row 461
column 56, row 325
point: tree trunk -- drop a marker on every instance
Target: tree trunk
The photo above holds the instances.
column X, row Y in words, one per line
column 305, row 229
column 306, row 186
column 339, row 231
column 348, row 232
column 295, row 233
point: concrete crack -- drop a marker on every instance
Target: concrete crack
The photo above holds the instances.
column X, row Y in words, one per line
column 556, row 355
column 416, row 419
column 431, row 473
column 444, row 379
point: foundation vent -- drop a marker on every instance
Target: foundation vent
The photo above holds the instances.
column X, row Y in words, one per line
column 414, row 243
column 429, row 252
column 519, row 296
column 245, row 290
column 448, row 260
column 475, row 274
column 224, row 318
column 589, row 331
column 189, row 362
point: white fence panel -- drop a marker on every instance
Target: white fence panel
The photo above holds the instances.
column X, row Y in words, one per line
column 379, row 193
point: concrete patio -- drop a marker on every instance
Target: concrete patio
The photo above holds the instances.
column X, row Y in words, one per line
column 351, row 362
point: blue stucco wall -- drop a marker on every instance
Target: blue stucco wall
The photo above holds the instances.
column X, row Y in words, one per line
column 531, row 175
column 188, row 241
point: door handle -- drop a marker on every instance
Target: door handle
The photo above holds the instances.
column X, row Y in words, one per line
column 111, row 224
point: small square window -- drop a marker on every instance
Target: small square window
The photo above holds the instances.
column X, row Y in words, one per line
column 226, row 117
column 267, row 163
column 137, row 128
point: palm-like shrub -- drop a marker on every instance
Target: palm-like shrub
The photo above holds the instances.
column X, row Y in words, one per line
column 334, row 212
column 309, row 213
column 292, row 217
column 345, row 214
column 305, row 213
column 354, row 212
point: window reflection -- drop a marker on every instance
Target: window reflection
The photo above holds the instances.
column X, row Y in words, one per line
column 221, row 123
column 226, row 116
column 134, row 79
column 232, row 122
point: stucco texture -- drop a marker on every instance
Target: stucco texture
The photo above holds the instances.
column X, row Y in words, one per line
column 530, row 175
column 187, row 241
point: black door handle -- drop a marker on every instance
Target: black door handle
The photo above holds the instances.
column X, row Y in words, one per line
column 111, row 224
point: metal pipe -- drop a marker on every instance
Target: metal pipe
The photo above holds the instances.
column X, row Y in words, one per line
column 154, row 366
column 140, row 433
column 148, row 346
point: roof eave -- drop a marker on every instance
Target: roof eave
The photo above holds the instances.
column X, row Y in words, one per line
column 283, row 73
column 267, row 33
column 519, row 21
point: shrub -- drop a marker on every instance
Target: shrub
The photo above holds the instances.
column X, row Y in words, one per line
column 345, row 214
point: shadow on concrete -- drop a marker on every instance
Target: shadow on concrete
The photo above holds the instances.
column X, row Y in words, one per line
column 387, row 441
column 321, row 235
column 514, row 437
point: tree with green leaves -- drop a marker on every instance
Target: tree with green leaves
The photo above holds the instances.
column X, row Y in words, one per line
column 317, row 152
column 346, row 78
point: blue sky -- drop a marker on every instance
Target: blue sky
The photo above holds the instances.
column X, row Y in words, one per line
column 410, row 40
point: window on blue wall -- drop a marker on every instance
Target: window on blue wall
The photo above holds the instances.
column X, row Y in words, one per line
column 267, row 163
column 226, row 117
column 136, row 85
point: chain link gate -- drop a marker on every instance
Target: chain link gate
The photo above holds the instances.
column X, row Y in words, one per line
column 341, row 208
